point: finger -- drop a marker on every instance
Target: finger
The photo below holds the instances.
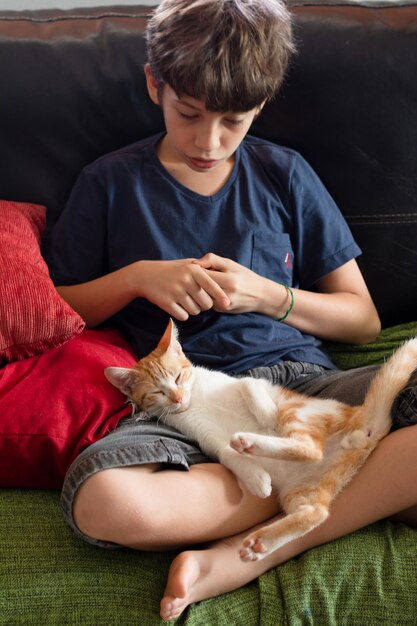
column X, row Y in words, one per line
column 190, row 305
column 212, row 261
column 203, row 300
column 222, row 279
column 173, row 308
column 212, row 288
column 177, row 312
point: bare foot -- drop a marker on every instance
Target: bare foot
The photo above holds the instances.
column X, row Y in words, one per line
column 185, row 583
column 197, row 575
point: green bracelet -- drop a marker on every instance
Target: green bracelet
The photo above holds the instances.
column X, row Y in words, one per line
column 290, row 308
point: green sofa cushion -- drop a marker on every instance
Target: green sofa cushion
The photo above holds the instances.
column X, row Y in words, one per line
column 49, row 577
column 347, row 356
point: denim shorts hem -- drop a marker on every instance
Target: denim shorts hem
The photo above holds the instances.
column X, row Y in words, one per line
column 113, row 451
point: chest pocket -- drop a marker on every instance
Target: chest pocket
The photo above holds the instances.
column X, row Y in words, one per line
column 273, row 257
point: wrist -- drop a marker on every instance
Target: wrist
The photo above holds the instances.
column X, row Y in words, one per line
column 289, row 304
column 274, row 300
column 136, row 278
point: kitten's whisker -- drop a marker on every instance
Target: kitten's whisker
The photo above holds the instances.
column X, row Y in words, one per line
column 162, row 414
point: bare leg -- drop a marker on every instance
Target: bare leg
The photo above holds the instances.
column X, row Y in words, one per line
column 385, row 486
column 145, row 508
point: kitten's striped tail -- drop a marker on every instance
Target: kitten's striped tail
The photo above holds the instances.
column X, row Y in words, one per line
column 391, row 378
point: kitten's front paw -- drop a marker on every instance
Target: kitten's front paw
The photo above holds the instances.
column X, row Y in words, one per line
column 242, row 443
column 258, row 482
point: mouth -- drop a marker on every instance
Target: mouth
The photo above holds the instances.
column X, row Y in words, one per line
column 203, row 164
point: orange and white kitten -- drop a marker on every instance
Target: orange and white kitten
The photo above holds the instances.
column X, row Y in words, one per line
column 305, row 448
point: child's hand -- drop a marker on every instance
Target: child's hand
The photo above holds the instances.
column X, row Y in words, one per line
column 243, row 287
column 180, row 287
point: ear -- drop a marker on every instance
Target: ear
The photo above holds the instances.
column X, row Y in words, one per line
column 152, row 85
column 169, row 340
column 259, row 109
column 121, row 377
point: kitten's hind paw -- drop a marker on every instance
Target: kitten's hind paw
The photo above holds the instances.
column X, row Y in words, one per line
column 252, row 549
column 355, row 440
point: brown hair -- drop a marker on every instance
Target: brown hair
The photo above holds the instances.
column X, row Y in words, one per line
column 230, row 53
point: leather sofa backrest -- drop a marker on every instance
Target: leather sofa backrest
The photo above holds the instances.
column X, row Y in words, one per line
column 72, row 89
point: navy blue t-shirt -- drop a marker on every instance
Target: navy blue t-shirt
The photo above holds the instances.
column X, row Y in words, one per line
column 273, row 215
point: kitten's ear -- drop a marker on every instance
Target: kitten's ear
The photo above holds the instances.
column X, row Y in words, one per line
column 169, row 340
column 121, row 377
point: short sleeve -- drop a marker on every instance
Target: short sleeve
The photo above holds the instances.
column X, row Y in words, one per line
column 76, row 248
column 323, row 239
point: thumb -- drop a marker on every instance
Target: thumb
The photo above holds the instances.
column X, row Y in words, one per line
column 211, row 261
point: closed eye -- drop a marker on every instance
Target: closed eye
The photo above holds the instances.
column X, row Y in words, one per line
column 187, row 117
column 234, row 122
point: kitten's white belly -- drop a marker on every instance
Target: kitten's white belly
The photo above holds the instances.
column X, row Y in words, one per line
column 211, row 434
column 213, row 437
column 217, row 411
column 286, row 475
column 212, row 418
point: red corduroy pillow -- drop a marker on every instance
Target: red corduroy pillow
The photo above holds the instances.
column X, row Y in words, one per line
column 33, row 316
column 55, row 404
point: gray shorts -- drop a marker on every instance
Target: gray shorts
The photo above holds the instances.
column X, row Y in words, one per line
column 137, row 441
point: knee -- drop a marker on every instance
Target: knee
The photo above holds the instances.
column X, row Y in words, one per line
column 107, row 509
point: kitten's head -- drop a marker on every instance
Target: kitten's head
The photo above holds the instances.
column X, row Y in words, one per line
column 160, row 383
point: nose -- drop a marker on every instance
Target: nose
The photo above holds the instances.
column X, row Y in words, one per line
column 177, row 396
column 207, row 138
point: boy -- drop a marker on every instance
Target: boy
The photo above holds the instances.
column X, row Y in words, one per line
column 236, row 239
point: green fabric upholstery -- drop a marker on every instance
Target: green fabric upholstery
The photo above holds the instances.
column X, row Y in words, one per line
column 347, row 356
column 47, row 576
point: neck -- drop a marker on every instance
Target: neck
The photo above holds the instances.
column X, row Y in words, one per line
column 205, row 183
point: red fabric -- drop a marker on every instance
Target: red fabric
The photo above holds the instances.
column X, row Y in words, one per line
column 55, row 404
column 33, row 316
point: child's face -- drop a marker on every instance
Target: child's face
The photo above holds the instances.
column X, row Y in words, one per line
column 202, row 140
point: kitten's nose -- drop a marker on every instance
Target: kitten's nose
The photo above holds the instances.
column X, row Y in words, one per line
column 177, row 396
